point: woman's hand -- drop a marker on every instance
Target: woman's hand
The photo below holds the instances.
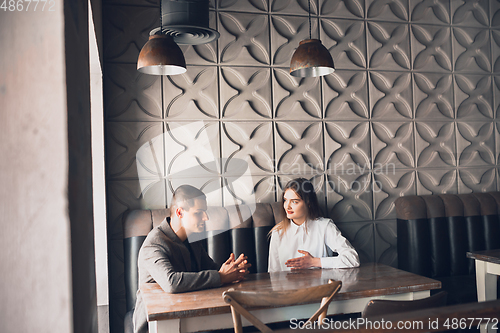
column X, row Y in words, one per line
column 306, row 261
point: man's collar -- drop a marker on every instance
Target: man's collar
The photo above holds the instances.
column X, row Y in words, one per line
column 167, row 230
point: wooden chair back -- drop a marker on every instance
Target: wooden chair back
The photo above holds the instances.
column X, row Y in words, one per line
column 239, row 299
column 380, row 307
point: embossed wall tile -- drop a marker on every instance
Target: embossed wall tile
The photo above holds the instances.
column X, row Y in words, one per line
column 497, row 142
column 433, row 96
column 431, row 48
column 249, row 190
column 130, row 95
column 496, row 94
column 471, row 48
column 126, row 30
column 346, row 41
column 347, row 147
column 318, row 182
column 470, row 12
column 244, row 5
column 430, row 11
column 297, row 98
column 123, row 142
column 345, row 95
column 299, row 147
column 192, row 150
column 361, row 236
column 342, row 8
column 495, row 14
column 436, row 144
column 211, row 187
column 299, row 7
column 245, row 93
column 387, row 10
column 388, row 185
column 393, row 145
column 389, row 46
column 244, row 39
column 123, row 195
column 386, row 249
column 438, row 181
column 498, row 179
column 192, row 95
column 495, row 49
column 391, row 95
column 202, row 54
column 286, row 34
column 477, row 180
column 350, row 197
column 250, row 142
column 476, row 143
column 473, row 96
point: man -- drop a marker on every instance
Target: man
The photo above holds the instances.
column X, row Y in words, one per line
column 167, row 258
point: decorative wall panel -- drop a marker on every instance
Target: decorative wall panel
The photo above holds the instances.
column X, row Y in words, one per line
column 192, row 95
column 346, row 41
column 435, row 181
column 246, row 93
column 345, row 95
column 131, row 96
column 433, row 96
column 296, row 98
column 411, row 109
column 343, row 8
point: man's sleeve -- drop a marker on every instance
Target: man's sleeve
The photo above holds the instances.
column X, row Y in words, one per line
column 157, row 262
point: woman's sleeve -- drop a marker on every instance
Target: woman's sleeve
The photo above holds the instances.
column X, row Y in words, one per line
column 348, row 257
column 274, row 260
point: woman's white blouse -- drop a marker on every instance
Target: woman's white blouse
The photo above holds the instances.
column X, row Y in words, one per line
column 321, row 233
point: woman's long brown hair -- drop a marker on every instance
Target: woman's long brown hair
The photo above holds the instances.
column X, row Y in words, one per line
column 305, row 190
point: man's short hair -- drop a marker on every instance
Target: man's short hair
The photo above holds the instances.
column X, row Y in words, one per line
column 185, row 196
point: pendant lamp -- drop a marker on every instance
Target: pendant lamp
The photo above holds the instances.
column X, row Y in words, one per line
column 311, row 58
column 161, row 55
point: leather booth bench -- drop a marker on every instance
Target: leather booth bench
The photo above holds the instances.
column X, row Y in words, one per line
column 238, row 229
column 435, row 232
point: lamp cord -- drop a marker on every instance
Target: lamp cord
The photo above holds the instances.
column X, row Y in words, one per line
column 161, row 17
column 309, row 10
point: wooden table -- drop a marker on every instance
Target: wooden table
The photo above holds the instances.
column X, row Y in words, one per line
column 205, row 310
column 487, row 269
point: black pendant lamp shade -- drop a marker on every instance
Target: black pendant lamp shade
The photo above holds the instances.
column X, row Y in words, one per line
column 161, row 56
column 311, row 59
column 183, row 22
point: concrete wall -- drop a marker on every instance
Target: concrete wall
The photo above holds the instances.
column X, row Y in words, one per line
column 80, row 206
column 46, row 245
column 35, row 251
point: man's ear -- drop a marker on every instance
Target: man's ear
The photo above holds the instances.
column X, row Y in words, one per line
column 179, row 211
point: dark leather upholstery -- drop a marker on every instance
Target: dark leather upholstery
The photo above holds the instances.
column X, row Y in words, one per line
column 238, row 229
column 436, row 231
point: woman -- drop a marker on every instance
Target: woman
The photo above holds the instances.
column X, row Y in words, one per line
column 301, row 239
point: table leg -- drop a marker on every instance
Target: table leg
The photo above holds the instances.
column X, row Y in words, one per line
column 486, row 286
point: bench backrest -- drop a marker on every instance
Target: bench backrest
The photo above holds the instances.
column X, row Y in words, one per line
column 435, row 232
